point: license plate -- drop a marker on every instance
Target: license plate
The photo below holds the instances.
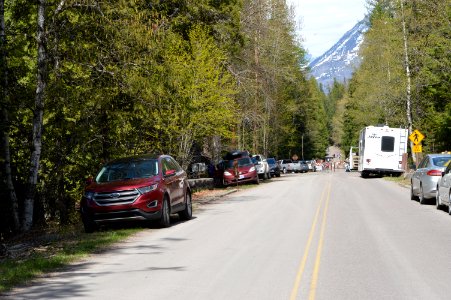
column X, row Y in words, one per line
column 241, row 177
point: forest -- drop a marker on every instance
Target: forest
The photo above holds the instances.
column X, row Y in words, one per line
column 86, row 81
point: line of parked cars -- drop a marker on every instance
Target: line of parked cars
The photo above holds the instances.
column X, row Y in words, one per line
column 432, row 180
column 153, row 187
column 232, row 170
column 299, row 166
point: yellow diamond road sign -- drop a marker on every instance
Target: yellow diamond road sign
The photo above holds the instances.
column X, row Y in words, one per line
column 416, row 137
column 417, row 148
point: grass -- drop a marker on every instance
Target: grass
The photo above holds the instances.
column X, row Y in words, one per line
column 51, row 255
column 402, row 180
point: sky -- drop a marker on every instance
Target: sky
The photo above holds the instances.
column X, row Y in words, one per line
column 321, row 23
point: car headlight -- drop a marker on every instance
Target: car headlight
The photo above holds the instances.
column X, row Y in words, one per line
column 252, row 169
column 227, row 173
column 147, row 189
column 88, row 195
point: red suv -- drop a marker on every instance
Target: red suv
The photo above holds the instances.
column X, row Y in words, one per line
column 137, row 188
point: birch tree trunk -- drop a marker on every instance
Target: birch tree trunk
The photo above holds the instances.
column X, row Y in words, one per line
column 37, row 120
column 4, row 124
column 408, row 75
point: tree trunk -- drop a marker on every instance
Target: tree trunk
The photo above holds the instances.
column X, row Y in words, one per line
column 37, row 120
column 4, row 131
column 408, row 75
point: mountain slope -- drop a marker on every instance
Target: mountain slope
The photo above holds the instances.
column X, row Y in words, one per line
column 340, row 60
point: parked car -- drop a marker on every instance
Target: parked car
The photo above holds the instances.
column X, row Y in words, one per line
column 286, row 165
column 240, row 170
column 319, row 167
column 443, row 195
column 145, row 187
column 300, row 166
column 274, row 168
column 311, row 165
column 261, row 165
column 423, row 184
column 296, row 166
column 304, row 166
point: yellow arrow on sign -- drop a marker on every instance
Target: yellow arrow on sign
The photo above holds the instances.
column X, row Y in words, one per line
column 416, row 137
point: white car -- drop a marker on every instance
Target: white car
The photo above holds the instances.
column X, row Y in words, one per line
column 262, row 166
column 443, row 193
column 319, row 167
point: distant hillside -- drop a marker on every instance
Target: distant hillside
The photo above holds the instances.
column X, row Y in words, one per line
column 340, row 60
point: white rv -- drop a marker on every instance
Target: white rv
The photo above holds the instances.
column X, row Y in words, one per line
column 381, row 149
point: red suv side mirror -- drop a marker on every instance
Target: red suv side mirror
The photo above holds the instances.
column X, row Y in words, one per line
column 169, row 173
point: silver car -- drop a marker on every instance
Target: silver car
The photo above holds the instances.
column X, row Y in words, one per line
column 423, row 184
column 443, row 195
column 296, row 167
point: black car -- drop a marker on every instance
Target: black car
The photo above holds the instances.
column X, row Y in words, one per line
column 274, row 168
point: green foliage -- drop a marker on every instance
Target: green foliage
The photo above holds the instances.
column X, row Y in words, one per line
column 125, row 77
column 132, row 77
column 272, row 86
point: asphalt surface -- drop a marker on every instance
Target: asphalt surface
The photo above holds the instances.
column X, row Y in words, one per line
column 329, row 235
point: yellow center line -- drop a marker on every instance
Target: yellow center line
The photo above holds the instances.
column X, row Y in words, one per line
column 314, row 282
column 301, row 268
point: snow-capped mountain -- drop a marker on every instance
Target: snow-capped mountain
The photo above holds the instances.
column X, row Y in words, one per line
column 340, row 61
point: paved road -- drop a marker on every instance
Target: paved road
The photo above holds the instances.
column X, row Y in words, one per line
column 300, row 236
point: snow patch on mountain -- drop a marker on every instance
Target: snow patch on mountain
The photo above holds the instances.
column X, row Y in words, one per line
column 340, row 60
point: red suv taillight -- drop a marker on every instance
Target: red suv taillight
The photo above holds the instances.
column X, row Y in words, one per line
column 434, row 173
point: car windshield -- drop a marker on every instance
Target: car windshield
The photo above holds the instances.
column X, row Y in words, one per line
column 245, row 161
column 257, row 157
column 441, row 161
column 128, row 170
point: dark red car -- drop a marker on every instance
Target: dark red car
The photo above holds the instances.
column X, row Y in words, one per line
column 240, row 170
column 137, row 188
